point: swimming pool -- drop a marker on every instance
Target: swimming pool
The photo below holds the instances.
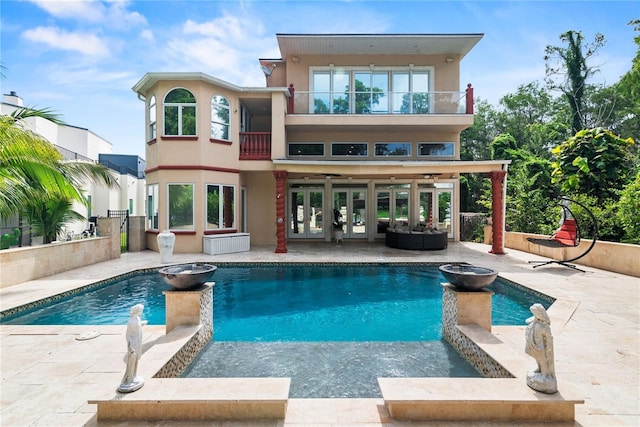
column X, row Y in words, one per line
column 291, row 302
column 332, row 328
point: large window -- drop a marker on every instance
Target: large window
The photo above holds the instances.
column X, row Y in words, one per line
column 152, row 206
column 179, row 113
column 220, row 206
column 180, row 202
column 371, row 91
column 220, row 118
column 152, row 117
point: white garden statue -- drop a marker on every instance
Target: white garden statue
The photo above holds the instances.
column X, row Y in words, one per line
column 539, row 345
column 131, row 381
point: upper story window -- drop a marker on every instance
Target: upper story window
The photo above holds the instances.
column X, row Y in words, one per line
column 220, row 117
column 179, row 113
column 436, row 149
column 349, row 149
column 399, row 90
column 152, row 117
column 306, row 149
column 397, row 149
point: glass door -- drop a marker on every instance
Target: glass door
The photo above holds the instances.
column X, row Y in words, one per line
column 445, row 211
column 350, row 212
column 305, row 213
column 392, row 208
column 436, row 209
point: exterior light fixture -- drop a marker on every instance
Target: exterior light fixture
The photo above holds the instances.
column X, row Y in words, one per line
column 267, row 71
column 448, row 60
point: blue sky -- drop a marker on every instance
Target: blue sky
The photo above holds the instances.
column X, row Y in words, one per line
column 81, row 58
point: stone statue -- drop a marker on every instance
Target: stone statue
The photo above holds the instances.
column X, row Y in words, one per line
column 539, row 345
column 130, row 381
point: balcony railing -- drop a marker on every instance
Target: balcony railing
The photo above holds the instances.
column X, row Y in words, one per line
column 255, row 145
column 380, row 102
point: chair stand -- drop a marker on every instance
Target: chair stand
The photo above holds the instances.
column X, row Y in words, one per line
column 566, row 264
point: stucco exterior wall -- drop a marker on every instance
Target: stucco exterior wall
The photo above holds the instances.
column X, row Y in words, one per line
column 261, row 207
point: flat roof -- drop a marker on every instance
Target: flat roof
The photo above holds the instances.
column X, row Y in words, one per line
column 376, row 44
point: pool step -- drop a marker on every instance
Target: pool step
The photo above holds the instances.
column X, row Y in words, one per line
column 198, row 399
column 474, row 399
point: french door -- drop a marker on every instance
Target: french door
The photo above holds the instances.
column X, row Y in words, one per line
column 392, row 207
column 306, row 207
column 435, row 209
column 350, row 205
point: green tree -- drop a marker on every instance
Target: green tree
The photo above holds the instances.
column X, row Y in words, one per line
column 594, row 162
column 33, row 173
column 570, row 64
column 503, row 147
column 628, row 90
column 628, row 212
column 49, row 215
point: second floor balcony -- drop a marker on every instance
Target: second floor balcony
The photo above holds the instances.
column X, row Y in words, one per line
column 378, row 102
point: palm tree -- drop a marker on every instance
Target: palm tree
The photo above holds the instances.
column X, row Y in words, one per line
column 34, row 175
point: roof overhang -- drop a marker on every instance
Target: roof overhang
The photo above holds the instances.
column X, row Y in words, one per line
column 150, row 79
column 376, row 44
column 385, row 167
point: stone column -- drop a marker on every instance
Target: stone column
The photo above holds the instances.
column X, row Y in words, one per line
column 497, row 211
column 281, row 222
column 190, row 307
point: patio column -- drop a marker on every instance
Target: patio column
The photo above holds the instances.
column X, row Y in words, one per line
column 281, row 180
column 497, row 211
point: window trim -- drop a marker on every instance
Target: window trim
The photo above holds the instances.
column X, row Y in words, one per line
column 445, row 156
column 351, row 70
column 193, row 213
column 221, row 204
column 289, row 144
column 409, row 154
column 155, row 204
column 228, row 124
column 366, row 145
column 179, row 106
column 152, row 126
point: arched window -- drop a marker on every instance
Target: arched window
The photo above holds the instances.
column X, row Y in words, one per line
column 152, row 117
column 220, row 117
column 179, row 113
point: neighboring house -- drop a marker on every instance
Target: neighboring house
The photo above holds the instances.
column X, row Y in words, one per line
column 80, row 144
column 360, row 128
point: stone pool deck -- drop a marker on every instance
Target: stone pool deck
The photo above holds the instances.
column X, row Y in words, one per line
column 48, row 374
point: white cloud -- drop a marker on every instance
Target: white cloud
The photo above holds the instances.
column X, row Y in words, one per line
column 112, row 13
column 91, row 10
column 147, row 35
column 227, row 47
column 85, row 43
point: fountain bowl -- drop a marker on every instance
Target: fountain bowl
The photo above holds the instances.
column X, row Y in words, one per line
column 468, row 277
column 187, row 276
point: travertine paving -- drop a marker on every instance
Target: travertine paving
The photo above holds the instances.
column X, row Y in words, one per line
column 48, row 374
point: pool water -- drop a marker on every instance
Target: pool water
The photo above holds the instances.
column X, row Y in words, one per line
column 293, row 303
